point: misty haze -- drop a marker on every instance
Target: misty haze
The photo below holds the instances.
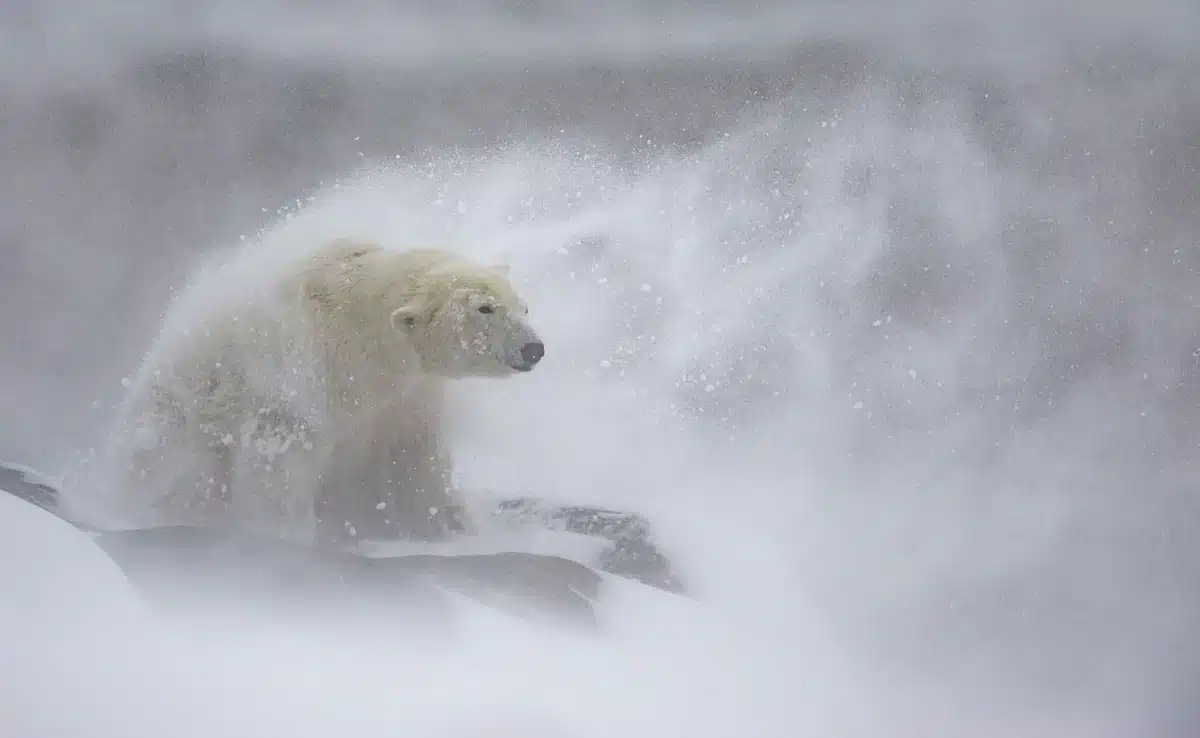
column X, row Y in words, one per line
column 884, row 314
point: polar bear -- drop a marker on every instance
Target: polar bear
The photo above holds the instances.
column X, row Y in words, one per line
column 310, row 405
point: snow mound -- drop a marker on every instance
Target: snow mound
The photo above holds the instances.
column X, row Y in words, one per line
column 56, row 580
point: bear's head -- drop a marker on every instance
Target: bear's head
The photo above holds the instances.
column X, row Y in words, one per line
column 467, row 320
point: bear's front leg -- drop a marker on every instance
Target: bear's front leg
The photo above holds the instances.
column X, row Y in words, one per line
column 388, row 486
column 275, row 476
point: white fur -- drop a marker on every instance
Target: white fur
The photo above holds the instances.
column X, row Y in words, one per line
column 310, row 404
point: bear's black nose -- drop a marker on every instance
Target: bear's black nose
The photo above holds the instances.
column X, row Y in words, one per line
column 532, row 353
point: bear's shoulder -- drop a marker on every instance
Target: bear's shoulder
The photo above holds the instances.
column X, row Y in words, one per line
column 346, row 277
column 346, row 254
column 344, row 251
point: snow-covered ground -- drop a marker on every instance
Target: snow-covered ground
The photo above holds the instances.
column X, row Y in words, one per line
column 887, row 322
column 85, row 656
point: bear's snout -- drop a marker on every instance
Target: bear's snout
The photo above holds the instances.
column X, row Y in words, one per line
column 531, row 354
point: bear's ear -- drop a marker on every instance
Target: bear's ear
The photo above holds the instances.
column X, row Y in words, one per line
column 405, row 317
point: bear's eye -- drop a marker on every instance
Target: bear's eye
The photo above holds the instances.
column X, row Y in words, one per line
column 485, row 309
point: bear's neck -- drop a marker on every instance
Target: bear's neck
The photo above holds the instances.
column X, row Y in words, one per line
column 368, row 362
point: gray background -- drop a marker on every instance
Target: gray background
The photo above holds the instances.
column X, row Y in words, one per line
column 1056, row 301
